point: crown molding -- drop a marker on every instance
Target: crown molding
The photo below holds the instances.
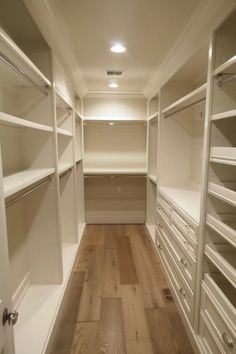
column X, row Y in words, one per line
column 115, row 94
column 206, row 19
column 48, row 25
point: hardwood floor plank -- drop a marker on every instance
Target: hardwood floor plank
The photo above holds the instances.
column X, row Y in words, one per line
column 146, row 269
column 111, row 275
column 90, row 304
column 135, row 321
column 110, row 237
column 85, row 338
column 128, row 274
column 111, row 332
column 64, row 338
column 143, row 346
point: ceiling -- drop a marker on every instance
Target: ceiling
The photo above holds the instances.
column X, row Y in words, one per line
column 148, row 28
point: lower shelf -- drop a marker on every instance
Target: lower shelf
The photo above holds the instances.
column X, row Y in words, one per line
column 39, row 309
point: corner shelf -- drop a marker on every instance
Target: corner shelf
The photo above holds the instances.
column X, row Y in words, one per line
column 189, row 99
column 6, row 119
column 20, row 180
column 17, row 59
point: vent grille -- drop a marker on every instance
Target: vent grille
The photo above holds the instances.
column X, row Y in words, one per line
column 114, row 73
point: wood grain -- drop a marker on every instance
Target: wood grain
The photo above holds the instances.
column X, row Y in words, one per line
column 135, row 321
column 85, row 338
column 111, row 332
column 128, row 274
column 111, row 275
column 110, row 237
column 143, row 346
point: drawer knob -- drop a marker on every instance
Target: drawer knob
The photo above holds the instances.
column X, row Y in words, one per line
column 228, row 340
column 183, row 261
column 182, row 292
column 159, row 246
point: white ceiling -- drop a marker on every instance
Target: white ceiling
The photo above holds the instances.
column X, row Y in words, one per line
column 148, row 28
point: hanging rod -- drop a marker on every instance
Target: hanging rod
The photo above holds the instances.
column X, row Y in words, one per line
column 181, row 109
column 115, row 176
column 228, row 77
column 13, row 66
column 25, row 194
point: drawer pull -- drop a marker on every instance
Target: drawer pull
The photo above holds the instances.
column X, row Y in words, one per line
column 184, row 262
column 228, row 340
column 159, row 246
column 182, row 292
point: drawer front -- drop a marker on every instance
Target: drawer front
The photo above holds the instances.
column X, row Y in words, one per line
column 207, row 340
column 166, row 210
column 185, row 241
column 224, row 334
column 187, row 224
column 183, row 291
column 186, row 263
column 189, row 241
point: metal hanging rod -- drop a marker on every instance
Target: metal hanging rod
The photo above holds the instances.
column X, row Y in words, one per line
column 112, row 123
column 115, row 176
column 25, row 194
column 183, row 108
column 65, row 173
column 14, row 67
column 224, row 78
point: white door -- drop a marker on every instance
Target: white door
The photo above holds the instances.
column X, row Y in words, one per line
column 6, row 332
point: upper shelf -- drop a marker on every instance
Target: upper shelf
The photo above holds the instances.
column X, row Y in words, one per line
column 78, row 115
column 224, row 115
column 191, row 98
column 62, row 101
column 6, row 119
column 16, row 59
column 113, row 121
column 115, row 171
column 153, row 116
column 229, row 67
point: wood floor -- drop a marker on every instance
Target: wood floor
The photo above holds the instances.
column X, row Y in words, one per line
column 118, row 300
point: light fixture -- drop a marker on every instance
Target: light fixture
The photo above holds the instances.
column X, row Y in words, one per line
column 118, row 48
column 111, row 123
column 113, row 84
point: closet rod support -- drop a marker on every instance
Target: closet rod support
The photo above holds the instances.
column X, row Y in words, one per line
column 115, row 176
column 183, row 108
column 19, row 71
column 25, row 194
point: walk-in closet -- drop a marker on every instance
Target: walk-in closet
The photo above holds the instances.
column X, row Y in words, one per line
column 117, row 177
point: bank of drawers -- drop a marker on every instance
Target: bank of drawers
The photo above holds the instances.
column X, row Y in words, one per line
column 180, row 286
column 218, row 317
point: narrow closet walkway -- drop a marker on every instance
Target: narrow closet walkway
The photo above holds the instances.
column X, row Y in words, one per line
column 118, row 299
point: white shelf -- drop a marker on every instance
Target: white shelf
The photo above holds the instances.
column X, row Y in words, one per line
column 115, row 171
column 78, row 115
column 39, row 308
column 224, row 258
column 64, row 132
column 153, row 116
column 152, row 231
column 6, row 119
column 186, row 198
column 20, row 180
column 224, row 115
column 64, row 101
column 227, row 194
column 63, row 167
column 107, row 120
column 153, row 178
column 17, row 56
column 225, row 155
column 78, row 159
column 228, row 67
column 226, row 227
column 191, row 98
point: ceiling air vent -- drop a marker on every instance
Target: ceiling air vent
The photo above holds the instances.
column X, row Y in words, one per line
column 114, row 73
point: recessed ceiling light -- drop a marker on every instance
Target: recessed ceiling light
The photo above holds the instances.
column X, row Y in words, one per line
column 118, row 48
column 113, row 84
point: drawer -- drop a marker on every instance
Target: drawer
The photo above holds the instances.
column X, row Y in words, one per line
column 207, row 339
column 183, row 259
column 185, row 240
column 188, row 225
column 182, row 290
column 189, row 241
column 219, row 313
column 163, row 206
